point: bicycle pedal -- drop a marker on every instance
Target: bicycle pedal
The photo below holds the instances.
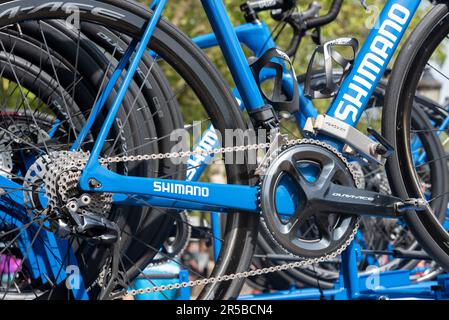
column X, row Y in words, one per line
column 331, row 58
column 412, row 205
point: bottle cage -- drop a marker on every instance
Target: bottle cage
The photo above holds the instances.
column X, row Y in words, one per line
column 330, row 86
column 282, row 67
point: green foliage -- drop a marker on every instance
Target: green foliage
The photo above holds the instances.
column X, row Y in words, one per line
column 14, row 97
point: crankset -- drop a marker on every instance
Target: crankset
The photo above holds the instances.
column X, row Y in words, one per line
column 326, row 200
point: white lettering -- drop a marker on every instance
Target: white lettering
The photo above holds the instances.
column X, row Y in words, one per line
column 372, row 63
column 178, row 188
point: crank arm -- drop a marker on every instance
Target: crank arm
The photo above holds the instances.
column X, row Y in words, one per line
column 347, row 200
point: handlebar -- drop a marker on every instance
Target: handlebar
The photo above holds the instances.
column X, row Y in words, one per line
column 282, row 10
column 329, row 17
column 297, row 21
column 307, row 20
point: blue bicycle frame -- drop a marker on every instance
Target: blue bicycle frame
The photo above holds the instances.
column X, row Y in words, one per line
column 348, row 106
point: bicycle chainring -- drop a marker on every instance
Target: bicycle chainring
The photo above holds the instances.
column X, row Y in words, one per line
column 302, row 170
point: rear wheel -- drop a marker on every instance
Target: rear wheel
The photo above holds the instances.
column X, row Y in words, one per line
column 180, row 59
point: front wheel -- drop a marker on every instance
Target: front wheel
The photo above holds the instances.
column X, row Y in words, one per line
column 419, row 62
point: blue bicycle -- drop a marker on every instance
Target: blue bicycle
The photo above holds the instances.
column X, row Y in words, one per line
column 89, row 188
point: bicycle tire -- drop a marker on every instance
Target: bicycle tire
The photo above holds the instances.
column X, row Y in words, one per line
column 396, row 123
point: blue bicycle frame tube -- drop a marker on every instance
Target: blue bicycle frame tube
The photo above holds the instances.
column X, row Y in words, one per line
column 201, row 195
column 233, row 53
column 104, row 96
column 216, row 232
column 141, row 49
column 372, row 60
column 255, row 36
column 158, row 7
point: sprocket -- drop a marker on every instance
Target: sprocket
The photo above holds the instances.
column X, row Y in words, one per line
column 51, row 183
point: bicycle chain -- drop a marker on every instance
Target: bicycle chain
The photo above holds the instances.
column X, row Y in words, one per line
column 246, row 274
column 184, row 154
